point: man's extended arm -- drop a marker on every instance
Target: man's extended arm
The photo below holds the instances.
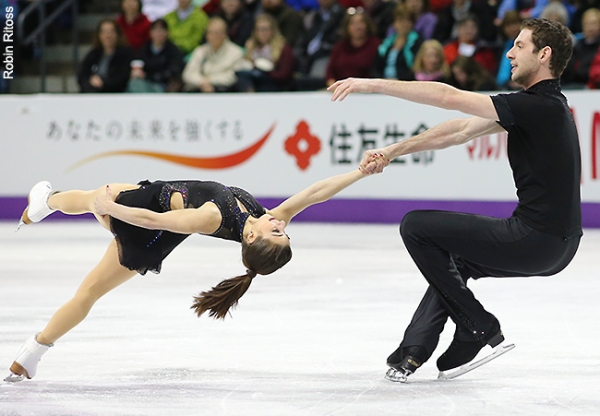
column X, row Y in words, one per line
column 423, row 92
column 446, row 134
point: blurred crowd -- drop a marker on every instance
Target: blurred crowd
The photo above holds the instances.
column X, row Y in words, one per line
column 306, row 45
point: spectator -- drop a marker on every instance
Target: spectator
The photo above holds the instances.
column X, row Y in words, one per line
column 314, row 47
column 134, row 24
column 448, row 18
column 539, row 5
column 289, row 21
column 522, row 7
column 346, row 4
column 158, row 9
column 382, row 14
column 594, row 76
column 396, row 55
column 581, row 7
column 106, row 67
column 252, row 6
column 162, row 63
column 239, row 20
column 438, row 5
column 556, row 11
column 425, row 20
column 468, row 43
column 303, row 5
column 354, row 54
column 510, row 27
column 576, row 75
column 212, row 66
column 467, row 74
column 270, row 57
column 187, row 25
column 430, row 62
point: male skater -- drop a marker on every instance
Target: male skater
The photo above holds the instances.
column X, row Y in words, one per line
column 543, row 233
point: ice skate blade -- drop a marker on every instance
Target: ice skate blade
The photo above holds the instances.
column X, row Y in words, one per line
column 397, row 376
column 498, row 351
column 14, row 378
column 18, row 370
column 24, row 220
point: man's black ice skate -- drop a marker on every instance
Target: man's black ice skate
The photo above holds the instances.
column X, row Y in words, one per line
column 403, row 362
column 463, row 350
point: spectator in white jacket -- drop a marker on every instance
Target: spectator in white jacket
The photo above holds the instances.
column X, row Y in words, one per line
column 212, row 66
column 157, row 9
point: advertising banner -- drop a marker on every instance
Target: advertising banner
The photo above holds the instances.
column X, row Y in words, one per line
column 273, row 145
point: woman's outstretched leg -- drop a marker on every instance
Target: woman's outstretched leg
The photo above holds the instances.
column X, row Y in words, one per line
column 43, row 201
column 107, row 275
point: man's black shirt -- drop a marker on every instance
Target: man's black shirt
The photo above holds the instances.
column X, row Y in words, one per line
column 544, row 154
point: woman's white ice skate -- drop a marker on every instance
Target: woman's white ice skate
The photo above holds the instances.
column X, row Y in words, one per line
column 25, row 365
column 38, row 208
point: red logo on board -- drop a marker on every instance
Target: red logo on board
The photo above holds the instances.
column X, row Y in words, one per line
column 303, row 145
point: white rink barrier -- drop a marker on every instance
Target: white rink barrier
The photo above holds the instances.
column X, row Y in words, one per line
column 273, row 145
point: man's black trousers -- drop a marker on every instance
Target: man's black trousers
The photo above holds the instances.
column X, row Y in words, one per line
column 451, row 247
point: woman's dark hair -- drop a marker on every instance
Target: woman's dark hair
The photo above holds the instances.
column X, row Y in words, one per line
column 426, row 7
column 478, row 77
column 555, row 35
column 159, row 22
column 139, row 2
column 260, row 257
column 511, row 17
column 350, row 13
column 401, row 12
column 96, row 44
column 469, row 17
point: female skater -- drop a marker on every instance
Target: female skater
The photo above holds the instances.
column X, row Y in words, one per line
column 148, row 221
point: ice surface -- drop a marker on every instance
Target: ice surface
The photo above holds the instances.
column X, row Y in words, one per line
column 311, row 339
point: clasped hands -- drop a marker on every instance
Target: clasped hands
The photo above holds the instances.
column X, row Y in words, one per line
column 374, row 161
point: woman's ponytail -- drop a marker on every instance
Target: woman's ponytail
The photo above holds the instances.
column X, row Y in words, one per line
column 223, row 296
column 260, row 257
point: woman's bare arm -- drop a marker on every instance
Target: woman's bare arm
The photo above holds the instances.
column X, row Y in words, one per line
column 318, row 192
column 205, row 219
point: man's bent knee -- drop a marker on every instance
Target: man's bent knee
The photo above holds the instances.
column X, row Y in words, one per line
column 412, row 223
